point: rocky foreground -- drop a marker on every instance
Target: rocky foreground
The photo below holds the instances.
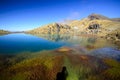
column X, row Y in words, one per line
column 46, row 64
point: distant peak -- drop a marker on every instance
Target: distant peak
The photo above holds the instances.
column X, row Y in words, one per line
column 94, row 16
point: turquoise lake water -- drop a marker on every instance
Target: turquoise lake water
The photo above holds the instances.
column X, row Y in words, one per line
column 16, row 43
column 20, row 42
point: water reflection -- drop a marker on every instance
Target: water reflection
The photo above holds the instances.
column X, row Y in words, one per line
column 83, row 57
column 55, row 37
column 89, row 42
column 92, row 40
column 16, row 43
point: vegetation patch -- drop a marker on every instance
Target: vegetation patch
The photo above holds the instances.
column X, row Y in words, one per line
column 113, row 72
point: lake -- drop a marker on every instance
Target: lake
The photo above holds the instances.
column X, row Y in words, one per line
column 41, row 57
column 20, row 42
column 26, row 43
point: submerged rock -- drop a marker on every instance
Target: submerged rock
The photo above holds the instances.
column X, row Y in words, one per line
column 64, row 49
column 107, row 53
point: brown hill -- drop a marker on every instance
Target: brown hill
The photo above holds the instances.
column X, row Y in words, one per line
column 4, row 32
column 53, row 28
column 94, row 24
column 97, row 17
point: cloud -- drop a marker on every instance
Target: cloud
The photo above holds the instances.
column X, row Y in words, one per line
column 73, row 15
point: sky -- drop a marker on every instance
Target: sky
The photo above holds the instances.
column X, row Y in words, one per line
column 21, row 15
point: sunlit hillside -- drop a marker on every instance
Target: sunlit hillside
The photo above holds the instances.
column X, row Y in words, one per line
column 93, row 24
column 4, row 32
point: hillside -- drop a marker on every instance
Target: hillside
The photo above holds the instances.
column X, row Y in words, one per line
column 53, row 28
column 2, row 32
column 94, row 24
column 116, row 19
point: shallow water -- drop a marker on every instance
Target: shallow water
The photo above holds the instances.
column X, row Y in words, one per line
column 41, row 57
column 17, row 43
column 25, row 43
column 20, row 42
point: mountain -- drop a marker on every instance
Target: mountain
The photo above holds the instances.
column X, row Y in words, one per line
column 97, row 17
column 94, row 24
column 53, row 28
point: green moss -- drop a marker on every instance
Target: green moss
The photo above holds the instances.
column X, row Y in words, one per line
column 112, row 63
column 20, row 76
column 94, row 77
column 40, row 67
column 46, row 64
column 113, row 72
column 76, row 72
column 72, row 75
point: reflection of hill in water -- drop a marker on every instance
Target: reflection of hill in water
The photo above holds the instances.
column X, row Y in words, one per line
column 89, row 42
column 55, row 37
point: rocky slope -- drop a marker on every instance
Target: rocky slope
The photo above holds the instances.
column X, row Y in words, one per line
column 94, row 24
column 53, row 28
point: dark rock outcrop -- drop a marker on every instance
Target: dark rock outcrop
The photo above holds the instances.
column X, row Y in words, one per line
column 94, row 26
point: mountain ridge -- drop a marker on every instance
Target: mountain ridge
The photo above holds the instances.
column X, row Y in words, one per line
column 94, row 16
column 94, row 24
